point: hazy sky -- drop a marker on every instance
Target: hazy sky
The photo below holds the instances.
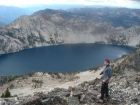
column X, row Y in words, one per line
column 121, row 3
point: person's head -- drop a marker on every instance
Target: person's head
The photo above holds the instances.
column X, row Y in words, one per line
column 106, row 62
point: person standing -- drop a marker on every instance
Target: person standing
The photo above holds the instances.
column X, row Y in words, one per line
column 105, row 79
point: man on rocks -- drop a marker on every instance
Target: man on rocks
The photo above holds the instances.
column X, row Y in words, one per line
column 105, row 79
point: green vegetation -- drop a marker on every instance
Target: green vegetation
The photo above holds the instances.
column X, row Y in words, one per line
column 11, row 86
column 118, row 72
column 6, row 79
column 138, row 45
column 37, row 81
column 2, row 96
column 12, row 78
column 54, row 74
column 30, row 74
column 94, row 68
column 6, row 94
column 52, row 41
column 117, row 69
column 25, row 77
column 30, row 40
column 83, row 84
column 36, row 85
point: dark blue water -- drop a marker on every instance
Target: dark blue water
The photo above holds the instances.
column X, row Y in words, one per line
column 60, row 58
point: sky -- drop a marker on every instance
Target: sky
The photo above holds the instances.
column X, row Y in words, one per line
column 120, row 3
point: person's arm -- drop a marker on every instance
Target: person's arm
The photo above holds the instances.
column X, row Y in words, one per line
column 105, row 79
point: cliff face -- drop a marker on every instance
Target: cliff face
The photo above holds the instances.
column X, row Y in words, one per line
column 43, row 30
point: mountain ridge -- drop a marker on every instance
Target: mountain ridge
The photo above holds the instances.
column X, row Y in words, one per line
column 44, row 30
column 115, row 16
column 1, row 23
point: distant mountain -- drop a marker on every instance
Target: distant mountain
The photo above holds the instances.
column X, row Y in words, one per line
column 1, row 23
column 115, row 16
column 56, row 6
column 10, row 13
column 50, row 29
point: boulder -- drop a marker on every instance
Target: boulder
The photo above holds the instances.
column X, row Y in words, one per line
column 88, row 98
column 73, row 101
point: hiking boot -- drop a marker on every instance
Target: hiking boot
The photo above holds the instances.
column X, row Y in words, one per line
column 107, row 98
column 101, row 100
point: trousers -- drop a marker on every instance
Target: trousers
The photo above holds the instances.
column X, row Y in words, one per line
column 104, row 90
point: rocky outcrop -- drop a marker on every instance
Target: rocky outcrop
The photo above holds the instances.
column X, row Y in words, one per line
column 44, row 30
column 123, row 89
column 130, row 63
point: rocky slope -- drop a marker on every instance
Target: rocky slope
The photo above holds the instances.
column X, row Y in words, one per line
column 123, row 90
column 130, row 64
column 44, row 30
column 78, row 88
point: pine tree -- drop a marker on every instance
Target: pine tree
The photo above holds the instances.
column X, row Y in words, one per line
column 7, row 93
column 2, row 96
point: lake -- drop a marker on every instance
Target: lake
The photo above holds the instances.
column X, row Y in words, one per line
column 60, row 58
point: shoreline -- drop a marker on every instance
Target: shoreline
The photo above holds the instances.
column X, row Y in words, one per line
column 67, row 44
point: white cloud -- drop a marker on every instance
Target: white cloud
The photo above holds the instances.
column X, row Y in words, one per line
column 125, row 3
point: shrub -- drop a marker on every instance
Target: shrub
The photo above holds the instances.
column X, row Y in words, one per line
column 7, row 94
column 2, row 96
column 11, row 86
